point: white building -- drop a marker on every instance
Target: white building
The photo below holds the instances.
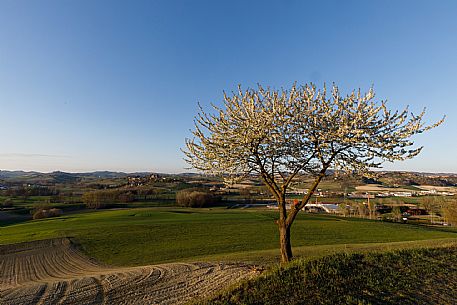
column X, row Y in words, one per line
column 322, row 207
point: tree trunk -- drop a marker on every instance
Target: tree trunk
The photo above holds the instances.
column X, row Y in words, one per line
column 285, row 246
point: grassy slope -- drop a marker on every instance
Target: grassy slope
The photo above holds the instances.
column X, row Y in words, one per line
column 147, row 236
column 420, row 276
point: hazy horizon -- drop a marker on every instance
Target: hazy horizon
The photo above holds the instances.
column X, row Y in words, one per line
column 188, row 171
column 96, row 85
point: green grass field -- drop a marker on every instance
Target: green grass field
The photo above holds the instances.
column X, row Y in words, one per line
column 154, row 235
column 415, row 276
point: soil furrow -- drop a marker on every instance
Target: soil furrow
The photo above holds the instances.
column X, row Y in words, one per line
column 55, row 272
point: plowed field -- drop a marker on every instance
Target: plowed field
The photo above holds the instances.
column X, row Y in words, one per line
column 55, row 272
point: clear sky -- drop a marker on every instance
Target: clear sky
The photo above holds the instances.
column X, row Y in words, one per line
column 114, row 85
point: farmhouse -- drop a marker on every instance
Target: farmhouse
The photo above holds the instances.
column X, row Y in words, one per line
column 402, row 194
column 355, row 195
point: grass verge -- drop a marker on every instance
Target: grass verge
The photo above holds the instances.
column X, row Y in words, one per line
column 413, row 276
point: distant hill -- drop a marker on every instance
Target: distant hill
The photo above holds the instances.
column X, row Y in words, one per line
column 388, row 178
column 14, row 174
column 103, row 174
column 416, row 178
column 59, row 177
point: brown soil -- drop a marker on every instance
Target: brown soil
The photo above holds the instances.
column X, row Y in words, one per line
column 55, row 272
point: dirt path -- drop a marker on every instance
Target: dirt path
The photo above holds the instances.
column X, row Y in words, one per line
column 55, row 272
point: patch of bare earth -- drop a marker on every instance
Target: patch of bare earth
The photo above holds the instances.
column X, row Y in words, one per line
column 55, row 272
column 379, row 188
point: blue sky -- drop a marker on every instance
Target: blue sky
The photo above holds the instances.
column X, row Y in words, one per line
column 114, row 85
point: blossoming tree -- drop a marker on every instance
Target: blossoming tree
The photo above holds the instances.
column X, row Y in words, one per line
column 280, row 135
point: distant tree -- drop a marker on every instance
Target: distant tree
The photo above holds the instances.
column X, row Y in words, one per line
column 125, row 197
column 430, row 204
column 280, row 135
column 343, row 209
column 449, row 210
column 40, row 213
column 195, row 198
column 103, row 198
column 362, row 209
column 396, row 213
column 98, row 199
column 371, row 205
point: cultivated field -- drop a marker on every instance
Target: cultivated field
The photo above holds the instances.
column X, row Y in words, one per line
column 55, row 272
column 379, row 188
column 451, row 189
